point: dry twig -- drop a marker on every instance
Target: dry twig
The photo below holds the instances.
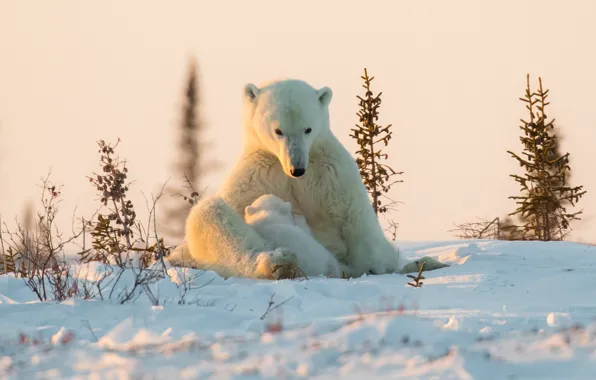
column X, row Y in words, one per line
column 417, row 283
column 270, row 306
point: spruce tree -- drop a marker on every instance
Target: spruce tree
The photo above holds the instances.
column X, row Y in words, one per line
column 546, row 193
column 188, row 168
column 371, row 137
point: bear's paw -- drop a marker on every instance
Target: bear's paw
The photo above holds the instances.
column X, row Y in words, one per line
column 278, row 264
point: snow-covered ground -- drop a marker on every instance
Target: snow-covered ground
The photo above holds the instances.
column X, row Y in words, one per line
column 502, row 310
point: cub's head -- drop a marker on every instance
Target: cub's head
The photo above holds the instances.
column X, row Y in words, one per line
column 287, row 117
column 269, row 208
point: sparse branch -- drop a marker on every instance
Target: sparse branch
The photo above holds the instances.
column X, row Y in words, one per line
column 482, row 229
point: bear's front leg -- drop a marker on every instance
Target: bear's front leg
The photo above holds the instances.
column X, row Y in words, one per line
column 369, row 251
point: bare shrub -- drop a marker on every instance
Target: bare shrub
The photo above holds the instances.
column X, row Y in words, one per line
column 126, row 255
column 35, row 251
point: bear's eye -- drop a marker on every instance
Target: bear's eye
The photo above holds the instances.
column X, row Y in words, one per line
column 278, row 132
column 308, row 130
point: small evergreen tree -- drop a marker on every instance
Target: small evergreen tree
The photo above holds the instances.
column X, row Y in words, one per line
column 369, row 135
column 546, row 193
column 188, row 167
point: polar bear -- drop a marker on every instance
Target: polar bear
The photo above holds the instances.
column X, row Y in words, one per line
column 290, row 152
column 272, row 218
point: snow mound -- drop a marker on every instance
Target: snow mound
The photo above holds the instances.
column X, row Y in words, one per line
column 501, row 310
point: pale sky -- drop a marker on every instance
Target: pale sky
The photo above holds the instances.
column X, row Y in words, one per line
column 451, row 73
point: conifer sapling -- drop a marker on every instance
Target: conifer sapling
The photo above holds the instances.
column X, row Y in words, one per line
column 546, row 194
column 371, row 138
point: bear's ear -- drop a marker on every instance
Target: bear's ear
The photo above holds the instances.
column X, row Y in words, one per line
column 249, row 211
column 251, row 92
column 325, row 94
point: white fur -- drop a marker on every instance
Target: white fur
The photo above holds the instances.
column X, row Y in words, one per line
column 330, row 194
column 272, row 218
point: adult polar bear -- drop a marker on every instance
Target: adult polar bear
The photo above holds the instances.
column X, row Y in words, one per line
column 290, row 152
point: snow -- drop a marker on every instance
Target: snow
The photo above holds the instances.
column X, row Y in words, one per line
column 522, row 310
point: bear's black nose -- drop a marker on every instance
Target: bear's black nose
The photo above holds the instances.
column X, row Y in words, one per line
column 297, row 172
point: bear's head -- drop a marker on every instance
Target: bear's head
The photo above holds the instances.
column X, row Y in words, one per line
column 270, row 208
column 287, row 117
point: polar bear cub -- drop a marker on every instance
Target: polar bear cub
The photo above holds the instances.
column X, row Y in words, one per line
column 272, row 218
